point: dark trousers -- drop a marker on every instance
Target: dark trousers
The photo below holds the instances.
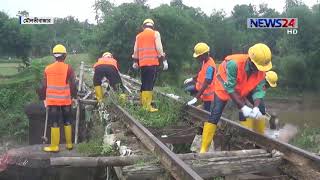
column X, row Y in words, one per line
column 148, row 77
column 207, row 105
column 110, row 73
column 56, row 112
column 216, row 110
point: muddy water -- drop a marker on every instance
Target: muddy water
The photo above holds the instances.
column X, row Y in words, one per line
column 302, row 119
column 301, row 112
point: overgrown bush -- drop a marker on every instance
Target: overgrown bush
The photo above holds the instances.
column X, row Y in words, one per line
column 308, row 139
column 14, row 97
column 292, row 71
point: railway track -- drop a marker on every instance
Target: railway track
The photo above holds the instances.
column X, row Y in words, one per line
column 299, row 163
column 291, row 163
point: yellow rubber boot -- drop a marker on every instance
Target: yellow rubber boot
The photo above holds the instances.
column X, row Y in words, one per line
column 68, row 135
column 208, row 133
column 143, row 99
column 99, row 93
column 248, row 123
column 147, row 99
column 55, row 140
column 260, row 125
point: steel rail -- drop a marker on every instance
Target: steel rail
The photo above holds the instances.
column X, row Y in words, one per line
column 292, row 154
column 170, row 161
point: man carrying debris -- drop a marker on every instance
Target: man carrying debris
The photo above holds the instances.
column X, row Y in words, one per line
column 239, row 76
column 204, row 81
column 259, row 126
column 59, row 87
column 107, row 67
column 147, row 53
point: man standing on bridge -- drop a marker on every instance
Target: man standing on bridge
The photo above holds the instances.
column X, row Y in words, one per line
column 147, row 53
column 107, row 67
column 59, row 87
column 239, row 76
column 204, row 81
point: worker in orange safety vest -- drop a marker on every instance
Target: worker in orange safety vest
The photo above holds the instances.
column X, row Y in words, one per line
column 59, row 87
column 147, row 55
column 203, row 83
column 107, row 67
column 239, row 76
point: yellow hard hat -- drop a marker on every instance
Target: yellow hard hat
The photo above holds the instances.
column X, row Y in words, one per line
column 107, row 54
column 59, row 49
column 272, row 78
column 149, row 22
column 260, row 54
column 200, row 49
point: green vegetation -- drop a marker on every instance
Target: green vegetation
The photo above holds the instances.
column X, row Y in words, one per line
column 294, row 56
column 36, row 41
column 95, row 147
column 14, row 97
column 8, row 69
column 168, row 114
column 308, row 139
column 181, row 27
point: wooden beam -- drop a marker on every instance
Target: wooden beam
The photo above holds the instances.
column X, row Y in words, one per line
column 99, row 161
column 206, row 168
column 130, row 160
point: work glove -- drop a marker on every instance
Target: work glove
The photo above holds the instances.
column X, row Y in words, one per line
column 255, row 113
column 188, row 80
column 165, row 65
column 246, row 111
column 135, row 65
column 192, row 101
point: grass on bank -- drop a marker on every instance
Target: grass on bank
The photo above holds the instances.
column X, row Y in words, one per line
column 9, row 69
column 308, row 139
column 169, row 113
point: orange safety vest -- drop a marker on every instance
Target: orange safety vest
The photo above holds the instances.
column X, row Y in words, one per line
column 208, row 93
column 107, row 61
column 244, row 84
column 147, row 52
column 58, row 90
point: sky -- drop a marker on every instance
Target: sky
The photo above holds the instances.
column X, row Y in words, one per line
column 82, row 9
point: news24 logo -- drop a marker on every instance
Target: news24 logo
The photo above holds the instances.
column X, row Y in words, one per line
column 291, row 24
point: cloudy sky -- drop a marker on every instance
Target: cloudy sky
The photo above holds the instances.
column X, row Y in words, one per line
column 82, row 9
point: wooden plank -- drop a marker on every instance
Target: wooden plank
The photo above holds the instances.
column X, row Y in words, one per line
column 34, row 157
column 208, row 168
column 99, row 161
column 130, row 160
